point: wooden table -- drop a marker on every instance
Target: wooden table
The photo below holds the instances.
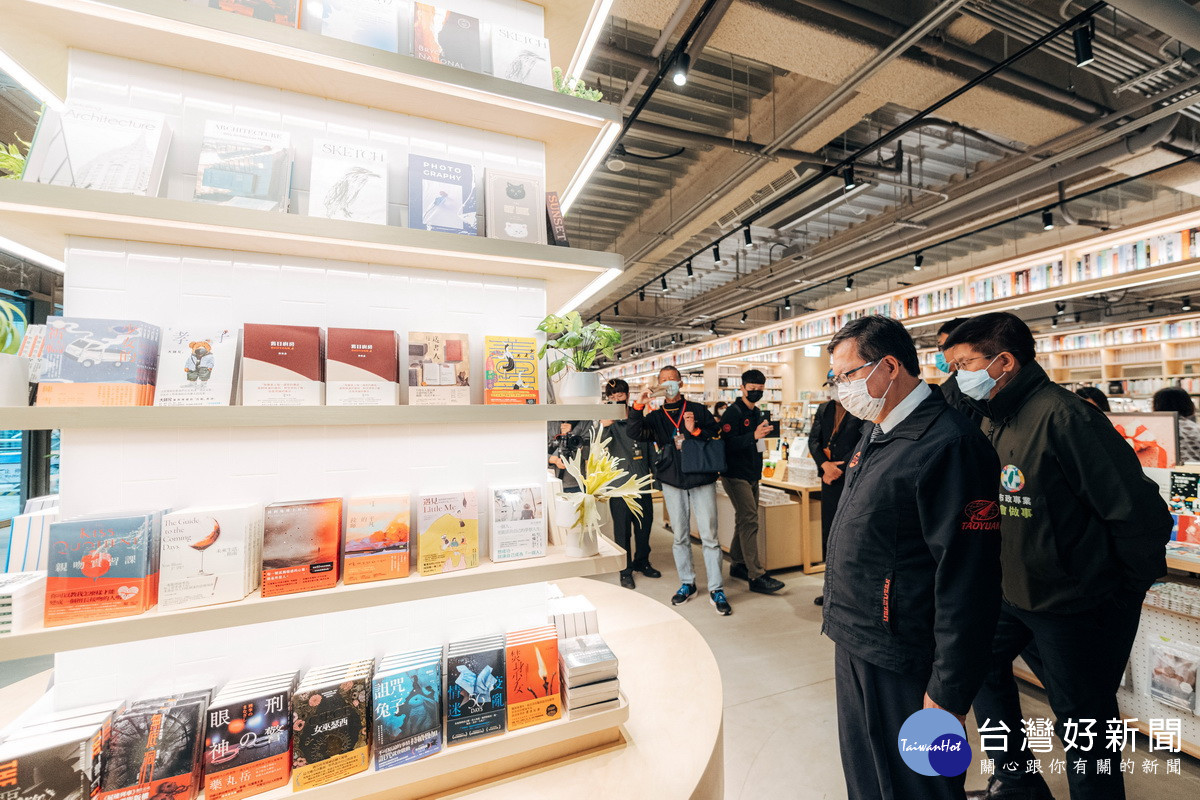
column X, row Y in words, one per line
column 812, row 560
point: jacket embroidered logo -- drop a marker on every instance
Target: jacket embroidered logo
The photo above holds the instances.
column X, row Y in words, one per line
column 1012, row 479
column 728, row 427
column 982, row 515
column 854, row 461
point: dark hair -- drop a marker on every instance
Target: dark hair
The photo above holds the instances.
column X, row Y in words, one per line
column 995, row 333
column 1095, row 395
column 949, row 327
column 616, row 386
column 877, row 337
column 1174, row 399
column 719, row 406
column 674, row 369
column 753, row 376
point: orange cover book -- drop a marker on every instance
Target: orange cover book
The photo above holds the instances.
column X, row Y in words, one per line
column 531, row 666
column 377, row 539
column 302, row 543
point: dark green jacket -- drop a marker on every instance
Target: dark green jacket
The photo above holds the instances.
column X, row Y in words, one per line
column 1080, row 522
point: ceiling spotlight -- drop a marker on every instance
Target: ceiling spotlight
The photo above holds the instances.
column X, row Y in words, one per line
column 1060, row 308
column 787, row 304
column 1150, row 307
column 1082, row 38
column 918, row 260
column 672, row 338
column 679, row 72
column 642, row 293
column 1054, row 322
column 848, row 177
column 745, row 316
column 849, row 284
column 616, row 309
column 1047, row 220
column 749, row 238
column 712, row 328
column 1187, row 304
column 616, row 161
column 1079, row 316
column 663, row 280
column 690, row 273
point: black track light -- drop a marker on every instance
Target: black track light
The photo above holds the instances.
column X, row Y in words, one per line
column 1060, row 308
column 1047, row 220
column 663, row 280
column 1079, row 316
column 848, row 177
column 745, row 316
column 712, row 328
column 918, row 261
column 748, row 236
column 690, row 273
column 787, row 304
column 849, row 284
column 1187, row 304
column 616, row 309
column 1054, row 322
column 679, row 73
column 717, row 260
column 672, row 338
column 1150, row 307
column 1082, row 38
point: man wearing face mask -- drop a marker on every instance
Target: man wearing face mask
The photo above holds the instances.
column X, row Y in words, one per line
column 1083, row 534
column 912, row 573
column 949, row 387
column 632, row 453
column 684, row 492
column 743, row 428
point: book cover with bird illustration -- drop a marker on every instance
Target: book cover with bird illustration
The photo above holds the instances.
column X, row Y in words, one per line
column 407, row 708
column 448, row 532
column 516, row 207
column 102, row 567
column 302, row 543
column 248, row 742
column 441, row 195
column 439, row 369
column 521, row 57
column 476, row 689
column 510, row 370
column 349, row 181
column 446, row 37
column 376, row 543
column 534, row 688
column 210, row 555
column 518, row 523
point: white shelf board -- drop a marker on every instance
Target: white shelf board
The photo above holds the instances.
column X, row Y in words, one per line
column 41, row 216
column 208, row 417
column 38, row 34
column 556, row 565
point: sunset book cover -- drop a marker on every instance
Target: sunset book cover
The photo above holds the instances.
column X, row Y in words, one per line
column 377, row 546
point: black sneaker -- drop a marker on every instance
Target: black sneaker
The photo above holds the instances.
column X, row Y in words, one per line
column 719, row 602
column 819, row 600
column 647, row 570
column 765, row 584
column 739, row 571
column 627, row 580
column 998, row 789
column 684, row 594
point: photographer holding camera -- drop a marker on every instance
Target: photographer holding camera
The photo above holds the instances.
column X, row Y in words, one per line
column 563, row 446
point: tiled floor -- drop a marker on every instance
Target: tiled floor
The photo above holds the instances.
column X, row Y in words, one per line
column 780, row 716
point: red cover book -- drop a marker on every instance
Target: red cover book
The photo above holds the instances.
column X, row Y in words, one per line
column 362, row 367
column 302, row 543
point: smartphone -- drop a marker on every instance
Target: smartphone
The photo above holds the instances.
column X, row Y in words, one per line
column 774, row 434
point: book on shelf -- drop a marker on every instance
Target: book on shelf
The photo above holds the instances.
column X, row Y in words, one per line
column 362, row 367
column 196, row 367
column 29, row 539
column 1185, row 486
column 156, row 749
column 534, row 686
column 521, row 57
column 98, row 362
column 441, row 195
column 476, row 692
column 446, row 37
column 282, row 12
column 1187, row 529
column 102, row 567
column 244, row 166
column 349, row 181
column 586, row 659
column 556, row 226
column 407, row 705
column 60, row 763
column 377, row 538
column 210, row 555
column 248, row 739
column 302, row 543
column 589, row 697
column 518, row 523
column 515, row 206
column 332, row 726
column 41, row 502
column 573, row 616
column 447, row 532
column 283, row 365
column 439, row 369
column 1173, row 670
column 373, row 23
column 112, row 149
column 22, row 602
column 510, row 370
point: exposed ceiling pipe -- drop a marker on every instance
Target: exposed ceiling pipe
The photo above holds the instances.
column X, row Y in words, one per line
column 667, row 31
column 705, row 31
column 1174, row 17
column 930, row 45
column 1070, row 218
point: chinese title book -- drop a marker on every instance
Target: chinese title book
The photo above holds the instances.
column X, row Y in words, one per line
column 196, row 367
column 439, row 369
column 377, row 538
column 248, row 743
column 476, row 692
column 534, row 689
column 510, row 370
column 302, row 544
column 407, row 703
column 518, row 523
column 98, row 362
column 448, row 532
column 283, row 365
column 362, row 367
column 332, row 726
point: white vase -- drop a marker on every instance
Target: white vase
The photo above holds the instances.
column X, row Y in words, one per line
column 14, row 380
column 583, row 541
column 579, row 388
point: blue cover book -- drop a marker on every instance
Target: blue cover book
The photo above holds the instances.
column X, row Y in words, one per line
column 82, row 350
column 441, row 195
column 408, row 713
column 476, row 689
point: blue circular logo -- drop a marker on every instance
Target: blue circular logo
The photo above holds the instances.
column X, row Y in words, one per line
column 932, row 742
column 1012, row 479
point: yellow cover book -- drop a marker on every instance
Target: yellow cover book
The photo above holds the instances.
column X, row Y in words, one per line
column 510, row 375
column 447, row 532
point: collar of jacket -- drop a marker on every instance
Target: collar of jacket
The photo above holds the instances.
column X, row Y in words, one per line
column 1008, row 401
column 915, row 424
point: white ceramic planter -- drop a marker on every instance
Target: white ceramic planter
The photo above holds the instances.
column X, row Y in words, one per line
column 14, row 380
column 579, row 387
column 581, row 542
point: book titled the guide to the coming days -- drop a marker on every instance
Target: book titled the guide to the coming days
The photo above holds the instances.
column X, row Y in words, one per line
column 376, row 539
column 448, row 532
column 301, row 546
column 349, row 181
column 439, row 369
column 510, row 370
column 210, row 555
column 441, row 195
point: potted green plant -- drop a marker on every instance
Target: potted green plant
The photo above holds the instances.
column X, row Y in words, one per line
column 14, row 370
column 576, row 347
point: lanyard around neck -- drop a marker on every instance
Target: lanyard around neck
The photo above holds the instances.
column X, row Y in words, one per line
column 682, row 409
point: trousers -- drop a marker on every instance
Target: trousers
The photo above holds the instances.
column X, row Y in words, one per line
column 681, row 503
column 625, row 523
column 744, row 548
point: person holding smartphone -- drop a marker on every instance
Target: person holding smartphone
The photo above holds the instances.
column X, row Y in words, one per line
column 631, row 533
column 744, row 426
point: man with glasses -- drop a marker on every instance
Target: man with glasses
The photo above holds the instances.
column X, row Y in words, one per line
column 1083, row 534
column 949, row 386
column 912, row 575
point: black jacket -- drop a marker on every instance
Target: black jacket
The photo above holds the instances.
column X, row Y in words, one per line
column 742, row 458
column 1081, row 522
column 957, row 400
column 657, row 427
column 841, row 443
column 912, row 572
column 632, row 452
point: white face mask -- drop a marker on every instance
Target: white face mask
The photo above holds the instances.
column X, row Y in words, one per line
column 977, row 384
column 857, row 400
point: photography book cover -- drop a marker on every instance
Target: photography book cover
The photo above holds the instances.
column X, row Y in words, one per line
column 441, row 195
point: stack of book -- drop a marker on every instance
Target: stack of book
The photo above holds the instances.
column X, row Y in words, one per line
column 22, row 601
column 98, row 362
column 573, row 616
column 196, row 367
column 302, row 546
column 28, row 545
column 57, row 754
column 589, row 671
column 210, row 555
column 248, row 741
column 156, row 749
column 407, row 707
column 475, row 689
column 376, row 543
column 534, row 687
column 332, row 732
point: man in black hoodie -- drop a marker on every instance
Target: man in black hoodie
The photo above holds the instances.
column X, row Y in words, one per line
column 684, row 492
column 1083, row 535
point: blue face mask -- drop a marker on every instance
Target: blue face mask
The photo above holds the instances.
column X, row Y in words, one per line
column 977, row 384
column 939, row 359
column 671, row 389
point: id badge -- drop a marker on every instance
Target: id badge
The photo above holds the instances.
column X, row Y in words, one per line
column 679, row 441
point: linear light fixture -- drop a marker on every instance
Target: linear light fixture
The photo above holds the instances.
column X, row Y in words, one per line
column 30, row 83
column 29, row 254
column 600, row 151
column 591, row 35
column 590, row 291
column 832, row 199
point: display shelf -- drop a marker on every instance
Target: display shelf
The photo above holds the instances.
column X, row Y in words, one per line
column 41, row 216
column 555, row 565
column 38, row 35
column 1183, row 565
column 206, row 417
